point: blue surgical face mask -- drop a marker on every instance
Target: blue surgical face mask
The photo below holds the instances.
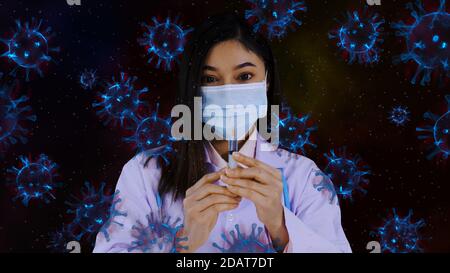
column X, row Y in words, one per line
column 233, row 109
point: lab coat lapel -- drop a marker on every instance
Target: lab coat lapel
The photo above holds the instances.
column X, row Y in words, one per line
column 268, row 153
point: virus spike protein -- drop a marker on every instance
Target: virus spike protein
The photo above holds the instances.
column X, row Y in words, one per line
column 438, row 132
column 35, row 179
column 120, row 100
column 348, row 174
column 95, row 212
column 400, row 235
column 295, row 132
column 274, row 16
column 164, row 41
column 245, row 243
column 325, row 185
column 160, row 234
column 152, row 136
column 359, row 37
column 28, row 48
column 88, row 79
column 13, row 112
column 399, row 115
column 427, row 41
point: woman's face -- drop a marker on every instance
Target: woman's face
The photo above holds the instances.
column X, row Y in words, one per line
column 230, row 62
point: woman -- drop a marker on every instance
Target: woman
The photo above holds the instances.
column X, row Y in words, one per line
column 272, row 197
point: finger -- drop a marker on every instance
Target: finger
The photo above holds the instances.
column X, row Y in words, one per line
column 207, row 178
column 247, row 183
column 252, row 162
column 253, row 196
column 213, row 199
column 211, row 189
column 218, row 208
column 255, row 173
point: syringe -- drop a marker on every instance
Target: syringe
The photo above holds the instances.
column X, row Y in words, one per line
column 232, row 147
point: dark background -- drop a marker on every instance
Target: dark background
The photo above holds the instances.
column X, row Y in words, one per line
column 349, row 103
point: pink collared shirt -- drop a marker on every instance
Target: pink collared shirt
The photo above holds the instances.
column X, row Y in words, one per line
column 313, row 219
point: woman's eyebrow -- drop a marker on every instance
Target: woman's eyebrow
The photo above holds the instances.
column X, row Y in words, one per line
column 239, row 66
column 244, row 65
column 208, row 67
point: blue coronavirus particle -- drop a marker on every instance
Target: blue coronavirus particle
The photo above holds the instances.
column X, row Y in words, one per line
column 244, row 243
column 120, row 100
column 437, row 132
column 359, row 37
column 164, row 41
column 347, row 173
column 152, row 136
column 34, row 179
column 88, row 79
column 95, row 212
column 28, row 47
column 159, row 234
column 274, row 17
column 400, row 235
column 399, row 115
column 13, row 114
column 58, row 239
column 323, row 184
column 427, row 41
column 295, row 132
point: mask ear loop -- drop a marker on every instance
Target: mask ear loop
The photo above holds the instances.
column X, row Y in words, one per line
column 265, row 81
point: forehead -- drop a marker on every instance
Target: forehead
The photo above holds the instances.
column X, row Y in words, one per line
column 228, row 54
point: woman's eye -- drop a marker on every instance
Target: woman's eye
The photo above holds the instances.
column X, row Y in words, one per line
column 245, row 77
column 208, row 79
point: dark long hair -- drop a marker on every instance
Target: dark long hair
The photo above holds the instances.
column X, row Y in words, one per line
column 187, row 163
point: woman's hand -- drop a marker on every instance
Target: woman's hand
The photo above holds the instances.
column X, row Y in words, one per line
column 261, row 184
column 202, row 205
